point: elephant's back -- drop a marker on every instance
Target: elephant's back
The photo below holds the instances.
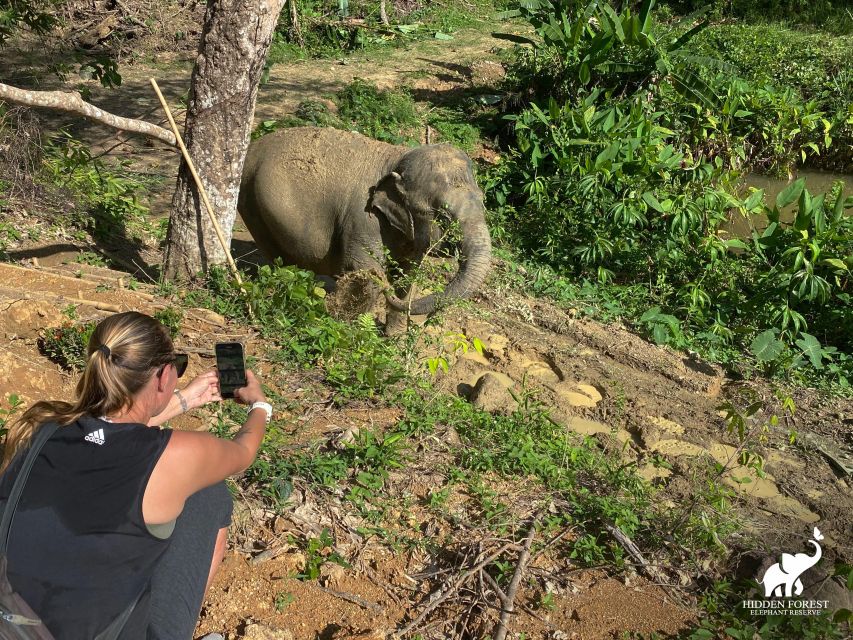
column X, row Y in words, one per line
column 311, row 155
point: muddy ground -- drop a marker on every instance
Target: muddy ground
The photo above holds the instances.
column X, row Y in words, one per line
column 649, row 402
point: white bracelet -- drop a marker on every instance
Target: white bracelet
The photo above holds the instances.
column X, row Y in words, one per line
column 266, row 406
column 182, row 400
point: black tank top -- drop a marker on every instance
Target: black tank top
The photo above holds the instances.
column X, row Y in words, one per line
column 79, row 550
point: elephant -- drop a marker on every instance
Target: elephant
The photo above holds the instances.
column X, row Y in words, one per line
column 333, row 201
column 788, row 571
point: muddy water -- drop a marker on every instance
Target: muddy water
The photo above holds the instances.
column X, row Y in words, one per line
column 817, row 182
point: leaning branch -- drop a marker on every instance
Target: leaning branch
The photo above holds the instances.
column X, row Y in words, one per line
column 73, row 103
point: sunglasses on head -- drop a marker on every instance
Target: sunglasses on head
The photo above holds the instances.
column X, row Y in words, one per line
column 180, row 360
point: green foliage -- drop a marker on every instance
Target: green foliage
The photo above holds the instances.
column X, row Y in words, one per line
column 591, row 46
column 37, row 15
column 287, row 305
column 726, row 617
column 319, row 551
column 783, row 71
column 66, row 345
column 629, row 182
column 107, row 197
column 170, row 317
column 15, row 403
column 383, row 114
column 328, row 31
column 8, row 234
column 832, row 16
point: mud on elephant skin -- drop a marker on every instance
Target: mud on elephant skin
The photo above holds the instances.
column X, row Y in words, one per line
column 334, row 201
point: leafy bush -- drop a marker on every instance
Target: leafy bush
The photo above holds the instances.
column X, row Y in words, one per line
column 286, row 305
column 66, row 345
column 831, row 16
column 628, row 179
column 387, row 115
column 108, row 197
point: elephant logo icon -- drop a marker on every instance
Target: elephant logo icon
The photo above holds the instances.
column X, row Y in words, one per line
column 783, row 578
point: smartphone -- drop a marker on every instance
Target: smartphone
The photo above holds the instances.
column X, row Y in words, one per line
column 231, row 366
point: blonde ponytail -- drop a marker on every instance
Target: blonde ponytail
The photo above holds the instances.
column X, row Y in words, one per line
column 122, row 354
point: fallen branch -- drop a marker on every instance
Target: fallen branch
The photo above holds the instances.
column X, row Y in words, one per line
column 635, row 553
column 73, row 103
column 349, row 597
column 508, row 599
column 443, row 593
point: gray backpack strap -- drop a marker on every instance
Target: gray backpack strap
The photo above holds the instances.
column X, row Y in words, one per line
column 39, row 439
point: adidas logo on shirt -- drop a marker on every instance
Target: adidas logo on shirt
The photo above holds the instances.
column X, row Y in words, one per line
column 96, row 436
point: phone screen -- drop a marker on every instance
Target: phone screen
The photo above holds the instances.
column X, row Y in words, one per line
column 231, row 367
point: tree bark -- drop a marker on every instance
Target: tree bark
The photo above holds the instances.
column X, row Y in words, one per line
column 383, row 14
column 235, row 40
column 73, row 103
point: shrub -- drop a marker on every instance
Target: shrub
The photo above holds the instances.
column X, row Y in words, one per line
column 66, row 345
column 382, row 114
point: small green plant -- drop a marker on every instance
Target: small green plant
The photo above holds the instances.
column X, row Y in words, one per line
column 451, row 344
column 91, row 258
column 546, row 601
column 319, row 551
column 6, row 414
column 282, row 600
column 170, row 317
column 8, row 233
column 66, row 345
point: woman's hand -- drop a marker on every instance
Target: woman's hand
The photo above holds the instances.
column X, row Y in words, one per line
column 252, row 392
column 204, row 389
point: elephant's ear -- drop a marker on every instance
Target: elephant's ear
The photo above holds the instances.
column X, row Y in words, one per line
column 789, row 563
column 389, row 199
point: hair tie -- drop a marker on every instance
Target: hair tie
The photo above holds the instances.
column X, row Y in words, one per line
column 105, row 350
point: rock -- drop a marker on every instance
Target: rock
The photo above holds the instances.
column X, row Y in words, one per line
column 577, row 394
column 649, row 435
column 263, row 632
column 24, row 318
column 451, row 437
column 491, row 394
column 503, row 378
column 674, row 447
column 497, row 344
column 650, row 472
column 474, row 356
column 667, row 425
column 332, row 575
column 589, row 390
column 586, row 427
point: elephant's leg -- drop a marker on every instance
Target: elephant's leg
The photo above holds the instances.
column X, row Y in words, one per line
column 798, row 587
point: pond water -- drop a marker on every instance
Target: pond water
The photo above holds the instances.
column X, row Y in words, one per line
column 817, row 182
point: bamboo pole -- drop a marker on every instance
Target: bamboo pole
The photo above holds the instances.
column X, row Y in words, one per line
column 198, row 183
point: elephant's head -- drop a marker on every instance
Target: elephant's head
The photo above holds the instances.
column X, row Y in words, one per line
column 428, row 182
column 799, row 562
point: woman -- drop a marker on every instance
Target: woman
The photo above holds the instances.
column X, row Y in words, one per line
column 93, row 527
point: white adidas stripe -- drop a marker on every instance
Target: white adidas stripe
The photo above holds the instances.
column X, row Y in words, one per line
column 96, row 436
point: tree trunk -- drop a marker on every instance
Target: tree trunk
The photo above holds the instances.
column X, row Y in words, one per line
column 383, row 14
column 233, row 48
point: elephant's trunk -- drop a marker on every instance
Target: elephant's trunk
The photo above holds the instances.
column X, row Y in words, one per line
column 817, row 554
column 473, row 267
